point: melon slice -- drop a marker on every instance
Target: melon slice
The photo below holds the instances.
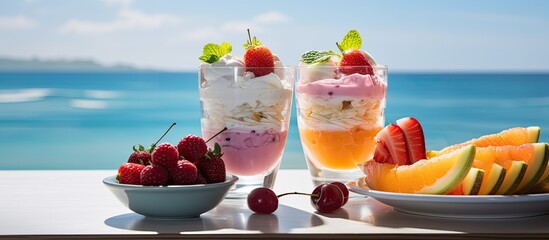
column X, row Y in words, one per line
column 536, row 168
column 494, row 174
column 533, row 154
column 545, row 176
column 514, row 174
column 493, row 178
column 471, row 184
column 438, row 175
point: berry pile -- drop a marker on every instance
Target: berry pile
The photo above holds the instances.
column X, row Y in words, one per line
column 191, row 162
column 325, row 198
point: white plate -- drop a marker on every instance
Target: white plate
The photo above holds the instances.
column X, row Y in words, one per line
column 486, row 206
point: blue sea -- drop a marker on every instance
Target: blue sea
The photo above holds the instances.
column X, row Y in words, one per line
column 78, row 120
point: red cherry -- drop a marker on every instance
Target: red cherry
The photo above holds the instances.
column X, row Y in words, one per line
column 343, row 189
column 327, row 198
column 262, row 200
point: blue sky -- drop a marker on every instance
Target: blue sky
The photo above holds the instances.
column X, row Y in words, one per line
column 405, row 35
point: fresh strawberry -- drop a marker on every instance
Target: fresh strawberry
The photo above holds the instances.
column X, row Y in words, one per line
column 415, row 140
column 183, row 173
column 391, row 140
column 165, row 155
column 381, row 153
column 200, row 179
column 212, row 166
column 154, row 175
column 140, row 156
column 192, row 148
column 354, row 61
column 257, row 58
column 129, row 173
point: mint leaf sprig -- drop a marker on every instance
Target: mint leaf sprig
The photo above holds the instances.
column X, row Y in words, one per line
column 351, row 41
column 314, row 56
column 212, row 52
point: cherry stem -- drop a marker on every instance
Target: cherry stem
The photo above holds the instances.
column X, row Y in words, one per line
column 298, row 193
column 173, row 124
column 249, row 36
column 222, row 130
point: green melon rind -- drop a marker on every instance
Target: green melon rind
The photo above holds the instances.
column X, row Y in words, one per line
column 513, row 177
column 545, row 176
column 473, row 181
column 536, row 168
column 496, row 174
column 533, row 134
column 499, row 181
column 456, row 175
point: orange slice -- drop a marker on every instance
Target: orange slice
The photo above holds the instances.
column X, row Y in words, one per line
column 438, row 175
column 513, row 136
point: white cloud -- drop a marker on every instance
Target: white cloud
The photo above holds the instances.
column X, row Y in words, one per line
column 201, row 34
column 256, row 24
column 122, row 3
column 272, row 17
column 239, row 27
column 127, row 19
column 16, row 22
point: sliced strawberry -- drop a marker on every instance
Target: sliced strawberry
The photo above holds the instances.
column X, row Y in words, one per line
column 394, row 141
column 381, row 153
column 414, row 138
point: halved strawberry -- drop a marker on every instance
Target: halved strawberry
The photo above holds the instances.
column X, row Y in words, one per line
column 391, row 139
column 381, row 153
column 414, row 138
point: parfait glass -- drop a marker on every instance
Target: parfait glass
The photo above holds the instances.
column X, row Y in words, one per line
column 338, row 117
column 256, row 112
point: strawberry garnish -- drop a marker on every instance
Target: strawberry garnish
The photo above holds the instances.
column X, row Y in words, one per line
column 257, row 58
column 130, row 173
column 414, row 138
column 353, row 60
column 391, row 140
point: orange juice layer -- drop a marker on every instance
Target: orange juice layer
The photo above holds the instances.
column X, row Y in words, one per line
column 340, row 150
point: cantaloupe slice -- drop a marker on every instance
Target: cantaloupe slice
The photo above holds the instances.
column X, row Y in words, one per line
column 438, row 175
column 535, row 155
column 493, row 178
column 471, row 184
column 514, row 173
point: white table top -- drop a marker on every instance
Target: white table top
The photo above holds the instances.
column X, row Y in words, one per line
column 77, row 204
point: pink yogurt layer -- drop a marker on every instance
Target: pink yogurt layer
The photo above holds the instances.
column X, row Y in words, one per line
column 354, row 85
column 249, row 153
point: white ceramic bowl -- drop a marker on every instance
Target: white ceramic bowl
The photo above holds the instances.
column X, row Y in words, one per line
column 175, row 201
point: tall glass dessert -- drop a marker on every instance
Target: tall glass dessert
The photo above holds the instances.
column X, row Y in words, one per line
column 340, row 101
column 252, row 98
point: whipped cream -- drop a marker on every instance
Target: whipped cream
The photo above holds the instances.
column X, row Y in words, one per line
column 237, row 99
column 341, row 104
